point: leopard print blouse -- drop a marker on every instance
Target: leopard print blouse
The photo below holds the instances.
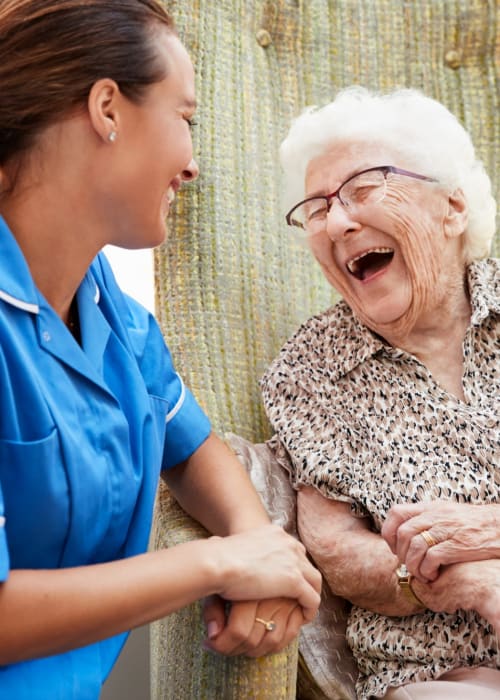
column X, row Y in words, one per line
column 366, row 423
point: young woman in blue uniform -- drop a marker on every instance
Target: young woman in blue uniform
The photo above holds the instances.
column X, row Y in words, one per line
column 97, row 96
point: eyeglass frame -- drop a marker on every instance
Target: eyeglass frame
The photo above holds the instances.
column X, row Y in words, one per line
column 385, row 169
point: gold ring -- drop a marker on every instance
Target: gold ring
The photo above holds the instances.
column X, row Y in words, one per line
column 270, row 625
column 428, row 538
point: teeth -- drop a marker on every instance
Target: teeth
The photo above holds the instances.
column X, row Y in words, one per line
column 351, row 265
column 170, row 195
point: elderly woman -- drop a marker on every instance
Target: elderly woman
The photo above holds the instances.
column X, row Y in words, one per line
column 391, row 396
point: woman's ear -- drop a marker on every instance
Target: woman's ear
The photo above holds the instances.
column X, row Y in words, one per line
column 457, row 216
column 5, row 184
column 103, row 105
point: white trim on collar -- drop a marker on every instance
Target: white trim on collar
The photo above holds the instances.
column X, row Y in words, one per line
column 25, row 306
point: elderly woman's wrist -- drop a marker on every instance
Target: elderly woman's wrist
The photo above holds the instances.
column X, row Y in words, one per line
column 406, row 583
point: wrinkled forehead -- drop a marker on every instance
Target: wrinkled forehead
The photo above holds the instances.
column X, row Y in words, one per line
column 339, row 160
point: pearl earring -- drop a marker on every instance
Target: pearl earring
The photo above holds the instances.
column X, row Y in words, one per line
column 112, row 136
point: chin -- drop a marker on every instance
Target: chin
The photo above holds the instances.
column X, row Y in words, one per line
column 383, row 314
column 157, row 237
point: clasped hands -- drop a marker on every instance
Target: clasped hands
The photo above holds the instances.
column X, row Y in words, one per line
column 453, row 552
column 237, row 628
column 275, row 592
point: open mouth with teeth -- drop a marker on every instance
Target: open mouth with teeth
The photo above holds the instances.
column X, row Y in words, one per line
column 370, row 262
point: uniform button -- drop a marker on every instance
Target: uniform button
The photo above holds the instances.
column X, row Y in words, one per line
column 264, row 38
column 46, row 336
column 453, row 58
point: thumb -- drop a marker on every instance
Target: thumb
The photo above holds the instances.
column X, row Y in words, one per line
column 214, row 615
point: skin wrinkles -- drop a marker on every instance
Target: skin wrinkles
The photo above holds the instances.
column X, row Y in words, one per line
column 420, row 242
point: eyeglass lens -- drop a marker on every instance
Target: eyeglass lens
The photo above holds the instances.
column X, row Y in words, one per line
column 363, row 189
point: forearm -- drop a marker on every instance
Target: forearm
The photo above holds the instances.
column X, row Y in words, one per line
column 214, row 488
column 356, row 562
column 361, row 569
column 50, row 611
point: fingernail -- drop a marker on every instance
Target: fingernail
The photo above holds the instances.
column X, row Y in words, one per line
column 207, row 648
column 212, row 629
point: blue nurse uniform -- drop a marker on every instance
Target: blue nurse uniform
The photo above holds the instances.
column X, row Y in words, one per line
column 84, row 432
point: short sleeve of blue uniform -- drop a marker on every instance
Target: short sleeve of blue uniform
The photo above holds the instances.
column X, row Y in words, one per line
column 187, row 426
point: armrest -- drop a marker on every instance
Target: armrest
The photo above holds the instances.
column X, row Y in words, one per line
column 183, row 670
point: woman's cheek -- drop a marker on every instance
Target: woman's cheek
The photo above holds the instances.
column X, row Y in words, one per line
column 323, row 250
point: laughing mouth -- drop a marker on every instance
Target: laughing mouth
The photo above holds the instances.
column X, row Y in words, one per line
column 370, row 262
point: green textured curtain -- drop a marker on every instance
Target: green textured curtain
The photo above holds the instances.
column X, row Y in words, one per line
column 231, row 283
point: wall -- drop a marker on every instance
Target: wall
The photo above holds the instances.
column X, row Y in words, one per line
column 130, row 677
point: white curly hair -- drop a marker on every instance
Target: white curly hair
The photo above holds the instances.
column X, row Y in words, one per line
column 418, row 126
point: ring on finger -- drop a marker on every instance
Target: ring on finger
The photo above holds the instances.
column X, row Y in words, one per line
column 428, row 538
column 270, row 625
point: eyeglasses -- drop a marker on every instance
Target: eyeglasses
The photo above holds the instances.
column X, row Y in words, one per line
column 362, row 189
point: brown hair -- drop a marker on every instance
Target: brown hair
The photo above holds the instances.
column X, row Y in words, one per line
column 53, row 51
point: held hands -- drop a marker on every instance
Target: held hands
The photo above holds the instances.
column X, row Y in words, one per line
column 471, row 585
column 243, row 630
column 426, row 536
column 266, row 563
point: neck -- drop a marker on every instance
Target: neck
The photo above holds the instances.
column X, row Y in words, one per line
column 52, row 214
column 444, row 323
column 445, row 329
column 437, row 341
column 57, row 249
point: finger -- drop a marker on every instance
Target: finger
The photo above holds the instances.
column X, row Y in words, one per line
column 271, row 639
column 266, row 640
column 409, row 534
column 447, row 552
column 286, row 630
column 239, row 631
column 309, row 596
column 214, row 615
column 396, row 516
column 431, row 562
column 415, row 553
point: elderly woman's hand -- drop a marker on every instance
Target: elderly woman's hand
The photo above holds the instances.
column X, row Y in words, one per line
column 461, row 533
column 471, row 585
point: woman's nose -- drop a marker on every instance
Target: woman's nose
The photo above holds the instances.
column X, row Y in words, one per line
column 340, row 221
column 191, row 172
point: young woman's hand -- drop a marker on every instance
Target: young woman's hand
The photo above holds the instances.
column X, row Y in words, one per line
column 266, row 563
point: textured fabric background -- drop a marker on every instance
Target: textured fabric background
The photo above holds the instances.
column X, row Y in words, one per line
column 231, row 283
